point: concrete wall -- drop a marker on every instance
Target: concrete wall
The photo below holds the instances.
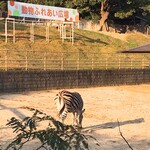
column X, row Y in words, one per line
column 17, row 81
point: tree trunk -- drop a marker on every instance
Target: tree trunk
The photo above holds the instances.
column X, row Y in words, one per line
column 104, row 16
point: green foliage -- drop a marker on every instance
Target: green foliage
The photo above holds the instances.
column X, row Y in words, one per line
column 129, row 8
column 56, row 136
column 124, row 14
column 90, row 9
column 2, row 5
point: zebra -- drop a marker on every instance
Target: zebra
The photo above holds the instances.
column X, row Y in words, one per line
column 70, row 102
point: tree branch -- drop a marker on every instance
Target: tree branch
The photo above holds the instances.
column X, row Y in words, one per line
column 123, row 136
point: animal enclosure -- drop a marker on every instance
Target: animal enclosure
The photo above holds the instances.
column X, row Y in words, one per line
column 104, row 106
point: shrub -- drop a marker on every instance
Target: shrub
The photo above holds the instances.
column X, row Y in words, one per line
column 56, row 136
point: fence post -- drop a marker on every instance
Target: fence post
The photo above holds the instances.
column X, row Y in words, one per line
column 147, row 30
column 6, row 60
column 131, row 65
column 47, row 31
column 78, row 61
column 106, row 62
column 72, row 33
column 92, row 61
column 143, row 62
column 44, row 61
column 32, row 32
column 14, row 31
column 62, row 61
column 119, row 61
column 60, row 29
column 6, row 30
column 26, row 67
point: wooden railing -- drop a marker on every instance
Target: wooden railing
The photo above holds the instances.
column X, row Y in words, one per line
column 39, row 60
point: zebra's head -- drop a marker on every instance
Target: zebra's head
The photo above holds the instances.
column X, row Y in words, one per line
column 81, row 118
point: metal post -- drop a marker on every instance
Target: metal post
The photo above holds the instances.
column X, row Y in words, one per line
column 131, row 65
column 119, row 62
column 106, row 62
column 60, row 26
column 143, row 63
column 32, row 32
column 78, row 61
column 72, row 29
column 92, row 62
column 62, row 61
column 26, row 68
column 6, row 60
column 47, row 31
column 6, row 30
column 70, row 33
column 14, row 31
column 44, row 60
column 62, row 34
column 79, row 25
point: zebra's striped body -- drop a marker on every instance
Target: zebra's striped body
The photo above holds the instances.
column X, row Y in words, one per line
column 70, row 102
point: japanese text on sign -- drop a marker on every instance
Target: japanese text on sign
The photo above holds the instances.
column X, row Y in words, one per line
column 41, row 11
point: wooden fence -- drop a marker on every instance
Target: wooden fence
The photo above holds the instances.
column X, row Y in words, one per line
column 39, row 60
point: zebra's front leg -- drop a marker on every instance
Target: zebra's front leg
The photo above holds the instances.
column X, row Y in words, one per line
column 75, row 121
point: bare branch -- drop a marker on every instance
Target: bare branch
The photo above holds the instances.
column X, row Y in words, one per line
column 123, row 136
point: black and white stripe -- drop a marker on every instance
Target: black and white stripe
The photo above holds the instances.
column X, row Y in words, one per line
column 70, row 102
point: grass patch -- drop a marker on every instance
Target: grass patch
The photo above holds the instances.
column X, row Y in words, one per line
column 85, row 44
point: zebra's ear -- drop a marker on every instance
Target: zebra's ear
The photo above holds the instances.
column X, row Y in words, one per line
column 83, row 110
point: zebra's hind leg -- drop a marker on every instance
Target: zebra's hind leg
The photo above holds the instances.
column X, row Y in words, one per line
column 63, row 116
column 60, row 117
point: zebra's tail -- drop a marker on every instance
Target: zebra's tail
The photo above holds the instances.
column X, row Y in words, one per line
column 59, row 103
column 61, row 110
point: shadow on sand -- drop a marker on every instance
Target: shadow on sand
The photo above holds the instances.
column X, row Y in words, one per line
column 112, row 125
column 14, row 110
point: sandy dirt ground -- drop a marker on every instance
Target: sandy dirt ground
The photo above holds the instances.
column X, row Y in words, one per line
column 130, row 105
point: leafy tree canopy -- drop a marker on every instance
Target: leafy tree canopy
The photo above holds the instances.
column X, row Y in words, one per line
column 90, row 9
column 2, row 5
